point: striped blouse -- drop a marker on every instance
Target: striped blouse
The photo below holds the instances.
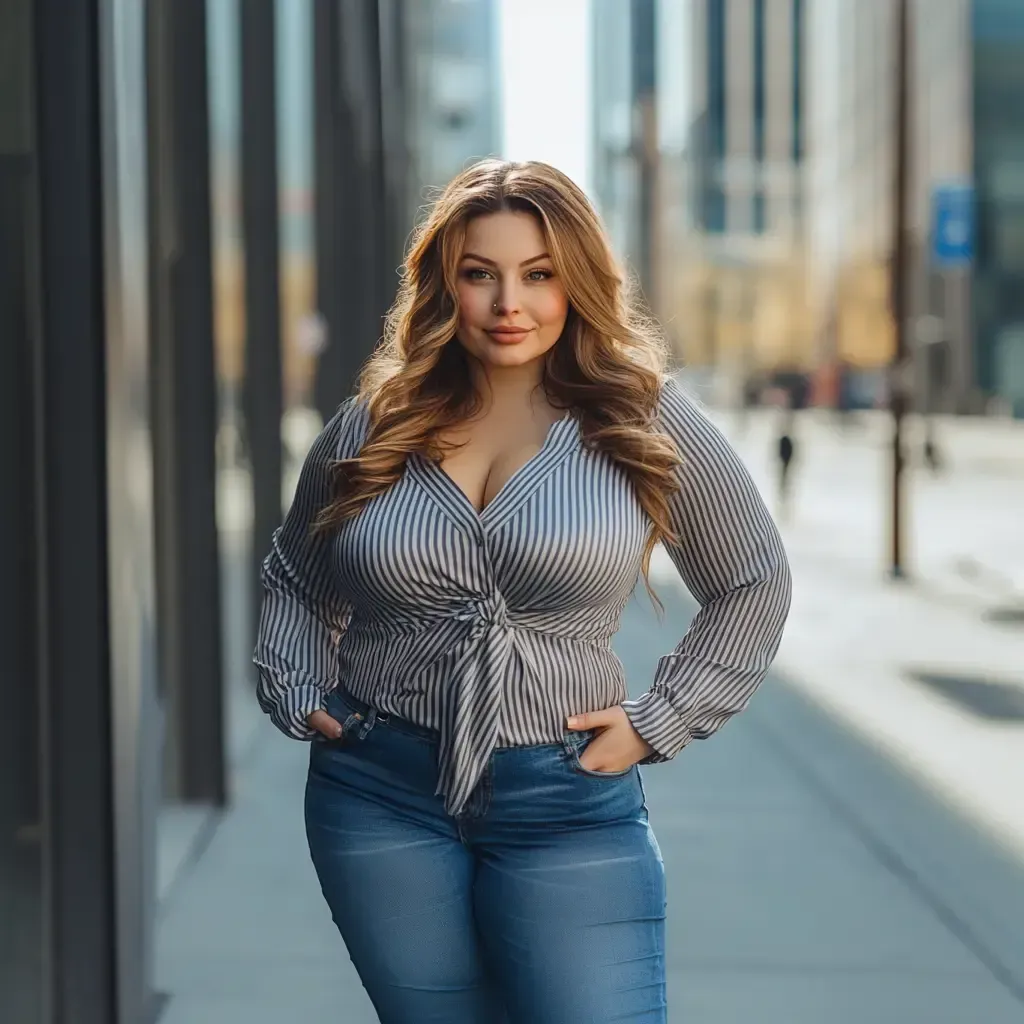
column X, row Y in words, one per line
column 493, row 627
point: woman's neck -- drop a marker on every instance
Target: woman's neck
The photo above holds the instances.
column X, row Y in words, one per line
column 507, row 388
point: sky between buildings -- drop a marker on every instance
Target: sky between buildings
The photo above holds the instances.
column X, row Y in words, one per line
column 545, row 56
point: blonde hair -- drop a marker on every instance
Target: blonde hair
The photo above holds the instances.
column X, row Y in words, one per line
column 608, row 365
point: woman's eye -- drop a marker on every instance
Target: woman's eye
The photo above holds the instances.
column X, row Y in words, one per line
column 480, row 274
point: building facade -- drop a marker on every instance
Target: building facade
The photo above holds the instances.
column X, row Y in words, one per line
column 727, row 129
column 850, row 184
column 742, row 271
column 774, row 187
column 455, row 100
column 997, row 299
column 616, row 178
column 966, row 62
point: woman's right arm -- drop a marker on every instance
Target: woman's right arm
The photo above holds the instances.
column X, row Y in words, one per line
column 303, row 615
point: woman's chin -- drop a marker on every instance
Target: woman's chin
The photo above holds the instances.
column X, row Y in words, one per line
column 504, row 356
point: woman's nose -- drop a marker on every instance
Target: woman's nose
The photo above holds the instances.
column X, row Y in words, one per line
column 507, row 302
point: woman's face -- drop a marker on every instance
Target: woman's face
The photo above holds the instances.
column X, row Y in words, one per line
column 512, row 307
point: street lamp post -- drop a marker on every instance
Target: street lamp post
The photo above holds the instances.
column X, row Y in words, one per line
column 900, row 368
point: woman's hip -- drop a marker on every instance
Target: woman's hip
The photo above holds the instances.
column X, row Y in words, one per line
column 395, row 762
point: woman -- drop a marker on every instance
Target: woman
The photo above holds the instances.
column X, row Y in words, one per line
column 439, row 604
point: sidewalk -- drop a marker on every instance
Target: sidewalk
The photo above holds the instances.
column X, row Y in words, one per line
column 970, row 512
column 858, row 645
column 810, row 882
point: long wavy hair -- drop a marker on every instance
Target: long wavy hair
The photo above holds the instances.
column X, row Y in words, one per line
column 607, row 366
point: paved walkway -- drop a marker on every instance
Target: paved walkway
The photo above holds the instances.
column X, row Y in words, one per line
column 811, row 882
column 857, row 644
column 967, row 515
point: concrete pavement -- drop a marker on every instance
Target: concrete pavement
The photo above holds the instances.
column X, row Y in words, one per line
column 971, row 512
column 923, row 671
column 811, row 881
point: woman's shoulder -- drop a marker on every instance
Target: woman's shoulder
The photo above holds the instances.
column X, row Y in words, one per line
column 682, row 415
column 679, row 407
column 349, row 427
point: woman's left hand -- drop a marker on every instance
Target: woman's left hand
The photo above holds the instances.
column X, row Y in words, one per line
column 617, row 744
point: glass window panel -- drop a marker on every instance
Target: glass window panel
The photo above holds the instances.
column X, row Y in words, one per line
column 21, row 896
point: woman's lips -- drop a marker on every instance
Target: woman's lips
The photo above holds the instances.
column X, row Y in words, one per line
column 508, row 335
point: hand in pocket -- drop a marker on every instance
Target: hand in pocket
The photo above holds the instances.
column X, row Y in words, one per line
column 325, row 725
column 617, row 744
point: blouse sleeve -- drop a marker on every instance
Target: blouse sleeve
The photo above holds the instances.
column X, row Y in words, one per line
column 303, row 615
column 731, row 558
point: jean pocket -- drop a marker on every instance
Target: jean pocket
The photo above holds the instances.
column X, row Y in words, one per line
column 349, row 730
column 575, row 744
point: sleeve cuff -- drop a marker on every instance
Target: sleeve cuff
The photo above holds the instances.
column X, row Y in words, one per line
column 291, row 709
column 659, row 724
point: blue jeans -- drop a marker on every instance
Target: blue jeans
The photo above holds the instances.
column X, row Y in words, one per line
column 542, row 903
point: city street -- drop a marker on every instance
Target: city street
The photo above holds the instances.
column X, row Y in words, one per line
column 812, row 880
column 929, row 672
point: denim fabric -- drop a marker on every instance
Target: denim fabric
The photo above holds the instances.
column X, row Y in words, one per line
column 542, row 902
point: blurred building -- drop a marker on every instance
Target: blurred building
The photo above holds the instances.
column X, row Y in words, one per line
column 455, row 115
column 849, row 185
column 615, row 174
column 967, row 61
column 438, row 109
column 997, row 299
column 203, row 205
column 724, row 235
column 772, row 188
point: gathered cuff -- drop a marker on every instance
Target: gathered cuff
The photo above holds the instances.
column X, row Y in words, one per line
column 658, row 722
column 290, row 709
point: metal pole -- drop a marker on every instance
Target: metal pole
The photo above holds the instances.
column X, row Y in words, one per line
column 184, row 401
column 263, row 383
column 345, row 110
column 645, row 143
column 370, row 109
column 356, row 257
column 899, row 376
column 395, row 81
column 330, row 385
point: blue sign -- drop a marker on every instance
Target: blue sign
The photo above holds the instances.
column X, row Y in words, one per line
column 952, row 225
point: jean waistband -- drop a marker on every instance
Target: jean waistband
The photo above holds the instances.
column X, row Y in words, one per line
column 375, row 716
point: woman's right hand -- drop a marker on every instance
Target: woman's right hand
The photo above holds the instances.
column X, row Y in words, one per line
column 325, row 725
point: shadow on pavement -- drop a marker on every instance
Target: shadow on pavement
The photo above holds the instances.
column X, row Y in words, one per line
column 810, row 882
column 810, row 879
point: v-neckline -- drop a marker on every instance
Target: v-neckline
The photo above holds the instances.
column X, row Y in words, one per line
column 519, row 483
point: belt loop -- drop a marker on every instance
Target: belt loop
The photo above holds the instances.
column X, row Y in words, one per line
column 371, row 719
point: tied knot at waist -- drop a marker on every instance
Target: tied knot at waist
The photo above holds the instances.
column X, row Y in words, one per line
column 473, row 614
column 490, row 611
column 453, row 623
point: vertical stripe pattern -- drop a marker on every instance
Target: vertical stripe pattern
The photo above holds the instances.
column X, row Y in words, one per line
column 492, row 627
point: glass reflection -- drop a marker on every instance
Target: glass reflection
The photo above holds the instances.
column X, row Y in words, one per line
column 21, row 895
column 999, row 174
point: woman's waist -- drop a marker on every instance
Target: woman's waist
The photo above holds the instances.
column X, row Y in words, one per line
column 532, row 711
column 423, row 667
column 472, row 619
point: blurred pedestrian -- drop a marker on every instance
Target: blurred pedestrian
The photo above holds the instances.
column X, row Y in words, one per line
column 785, row 453
column 844, row 396
column 930, row 451
column 438, row 609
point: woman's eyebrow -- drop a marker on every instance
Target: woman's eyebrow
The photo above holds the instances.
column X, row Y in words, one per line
column 491, row 263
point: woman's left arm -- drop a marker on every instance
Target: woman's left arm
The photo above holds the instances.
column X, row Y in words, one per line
column 731, row 558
